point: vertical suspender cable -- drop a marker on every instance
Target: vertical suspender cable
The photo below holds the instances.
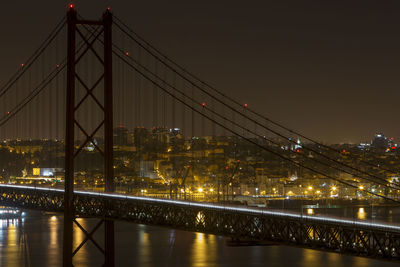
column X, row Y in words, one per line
column 155, row 98
column 173, row 104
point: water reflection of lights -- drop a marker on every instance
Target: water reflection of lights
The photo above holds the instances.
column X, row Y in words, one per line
column 79, row 236
column 200, row 237
column 8, row 223
column 12, row 240
column 199, row 250
column 310, row 257
column 144, row 238
column 145, row 254
column 204, row 249
column 10, row 213
column 53, row 232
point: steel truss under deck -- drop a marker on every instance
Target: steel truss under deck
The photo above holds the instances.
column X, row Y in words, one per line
column 239, row 223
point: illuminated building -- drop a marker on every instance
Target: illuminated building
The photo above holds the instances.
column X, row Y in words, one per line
column 380, row 142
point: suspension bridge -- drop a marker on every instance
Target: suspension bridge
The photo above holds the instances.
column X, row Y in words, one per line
column 69, row 113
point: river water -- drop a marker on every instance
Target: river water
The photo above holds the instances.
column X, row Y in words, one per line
column 36, row 240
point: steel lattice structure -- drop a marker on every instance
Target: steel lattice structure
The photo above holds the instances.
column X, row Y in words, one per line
column 72, row 123
column 238, row 222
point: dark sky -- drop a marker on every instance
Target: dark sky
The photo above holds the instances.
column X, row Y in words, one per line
column 329, row 69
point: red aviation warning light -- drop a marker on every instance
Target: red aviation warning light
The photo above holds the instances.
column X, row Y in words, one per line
column 203, row 104
column 22, row 65
column 127, row 53
column 245, row 105
column 71, row 6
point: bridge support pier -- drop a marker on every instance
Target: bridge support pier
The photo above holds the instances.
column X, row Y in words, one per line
column 73, row 58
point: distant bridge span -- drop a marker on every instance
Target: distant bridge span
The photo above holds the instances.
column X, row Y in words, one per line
column 364, row 238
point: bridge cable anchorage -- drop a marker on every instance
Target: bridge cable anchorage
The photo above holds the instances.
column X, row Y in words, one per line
column 247, row 139
column 245, row 129
column 224, row 95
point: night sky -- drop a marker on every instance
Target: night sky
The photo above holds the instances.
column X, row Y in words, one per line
column 329, row 69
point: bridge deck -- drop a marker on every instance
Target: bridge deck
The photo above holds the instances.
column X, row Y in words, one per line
column 380, row 240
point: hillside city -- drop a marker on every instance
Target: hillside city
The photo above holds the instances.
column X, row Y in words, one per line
column 161, row 162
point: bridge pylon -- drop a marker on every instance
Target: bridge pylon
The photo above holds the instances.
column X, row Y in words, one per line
column 73, row 59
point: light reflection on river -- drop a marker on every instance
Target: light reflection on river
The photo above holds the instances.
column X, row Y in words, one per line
column 36, row 240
